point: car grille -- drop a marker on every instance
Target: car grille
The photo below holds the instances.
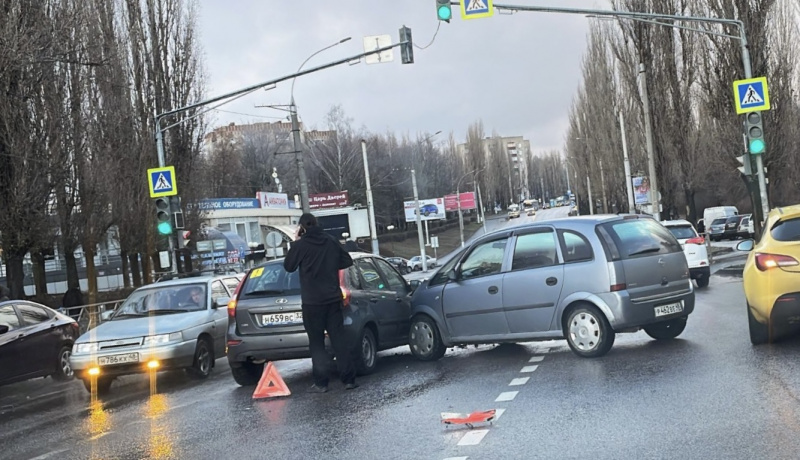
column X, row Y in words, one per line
column 120, row 344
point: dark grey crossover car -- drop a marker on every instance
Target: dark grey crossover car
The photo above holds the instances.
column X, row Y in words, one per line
column 265, row 320
column 580, row 278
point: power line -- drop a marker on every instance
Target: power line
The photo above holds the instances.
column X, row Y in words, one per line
column 249, row 114
column 432, row 39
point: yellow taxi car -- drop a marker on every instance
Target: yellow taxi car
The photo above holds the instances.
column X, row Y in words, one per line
column 772, row 277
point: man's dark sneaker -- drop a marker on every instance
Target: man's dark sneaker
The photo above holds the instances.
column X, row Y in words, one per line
column 351, row 386
column 317, row 389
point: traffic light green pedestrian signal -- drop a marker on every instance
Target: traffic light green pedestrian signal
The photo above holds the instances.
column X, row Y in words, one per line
column 163, row 217
column 755, row 133
column 443, row 10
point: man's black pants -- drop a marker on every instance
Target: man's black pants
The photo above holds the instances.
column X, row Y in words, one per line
column 317, row 319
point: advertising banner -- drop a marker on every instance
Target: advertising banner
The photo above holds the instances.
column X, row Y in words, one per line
column 431, row 209
column 328, row 200
column 273, row 200
column 641, row 189
column 467, row 201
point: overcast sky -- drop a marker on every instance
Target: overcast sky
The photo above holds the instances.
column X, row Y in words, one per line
column 518, row 73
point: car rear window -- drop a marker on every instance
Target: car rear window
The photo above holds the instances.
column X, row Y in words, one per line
column 638, row 238
column 786, row 230
column 719, row 221
column 682, row 232
column 271, row 279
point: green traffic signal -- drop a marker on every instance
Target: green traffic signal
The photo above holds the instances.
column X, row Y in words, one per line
column 757, row 146
column 445, row 13
column 164, row 228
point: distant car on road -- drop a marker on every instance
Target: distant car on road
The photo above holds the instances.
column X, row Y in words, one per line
column 175, row 324
column 746, row 228
column 582, row 278
column 513, row 211
column 731, row 230
column 400, row 264
column 717, row 229
column 694, row 248
column 415, row 263
column 35, row 341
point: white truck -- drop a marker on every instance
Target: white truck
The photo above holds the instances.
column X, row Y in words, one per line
column 713, row 213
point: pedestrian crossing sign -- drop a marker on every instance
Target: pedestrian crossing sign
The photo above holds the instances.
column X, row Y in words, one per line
column 751, row 95
column 162, row 181
column 473, row 9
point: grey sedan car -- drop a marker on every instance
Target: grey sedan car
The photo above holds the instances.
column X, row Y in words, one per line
column 172, row 324
column 580, row 278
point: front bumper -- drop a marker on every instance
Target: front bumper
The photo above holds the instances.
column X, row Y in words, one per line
column 169, row 356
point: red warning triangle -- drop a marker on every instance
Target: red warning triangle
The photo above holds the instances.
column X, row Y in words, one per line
column 271, row 384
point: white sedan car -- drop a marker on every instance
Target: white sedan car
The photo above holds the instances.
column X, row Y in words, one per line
column 415, row 263
column 694, row 247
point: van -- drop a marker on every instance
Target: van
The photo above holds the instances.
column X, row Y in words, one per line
column 714, row 213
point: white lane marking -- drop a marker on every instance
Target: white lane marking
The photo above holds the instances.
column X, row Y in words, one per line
column 519, row 381
column 527, row 369
column 49, row 454
column 536, row 359
column 498, row 413
column 456, row 458
column 473, row 438
column 506, row 396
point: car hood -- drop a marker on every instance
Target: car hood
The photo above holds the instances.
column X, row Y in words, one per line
column 140, row 327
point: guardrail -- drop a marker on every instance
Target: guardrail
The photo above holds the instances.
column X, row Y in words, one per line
column 90, row 316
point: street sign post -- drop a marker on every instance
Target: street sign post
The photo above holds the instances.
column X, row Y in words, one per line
column 751, row 95
column 162, row 181
column 473, row 9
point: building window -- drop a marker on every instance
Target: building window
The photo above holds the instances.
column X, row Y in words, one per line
column 240, row 229
column 255, row 233
column 224, row 227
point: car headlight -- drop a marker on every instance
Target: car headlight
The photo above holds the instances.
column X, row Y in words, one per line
column 89, row 347
column 163, row 338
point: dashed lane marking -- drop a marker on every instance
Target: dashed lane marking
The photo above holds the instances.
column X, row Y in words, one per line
column 506, row 396
column 473, row 438
column 528, row 369
column 536, row 359
column 498, row 413
column 456, row 458
column 519, row 381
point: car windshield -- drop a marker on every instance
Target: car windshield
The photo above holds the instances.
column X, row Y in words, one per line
column 271, row 279
column 682, row 232
column 163, row 300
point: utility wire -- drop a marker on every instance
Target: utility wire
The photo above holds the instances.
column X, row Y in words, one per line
column 249, row 114
column 432, row 39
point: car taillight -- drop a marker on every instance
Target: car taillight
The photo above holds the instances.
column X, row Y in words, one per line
column 697, row 240
column 232, row 308
column 766, row 261
column 618, row 287
column 345, row 291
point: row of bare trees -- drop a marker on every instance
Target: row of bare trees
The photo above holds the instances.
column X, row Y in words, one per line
column 81, row 82
column 697, row 134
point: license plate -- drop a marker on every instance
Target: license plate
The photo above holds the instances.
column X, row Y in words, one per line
column 282, row 319
column 669, row 309
column 118, row 359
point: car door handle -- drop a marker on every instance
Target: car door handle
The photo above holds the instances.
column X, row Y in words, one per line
column 551, row 281
column 493, row 289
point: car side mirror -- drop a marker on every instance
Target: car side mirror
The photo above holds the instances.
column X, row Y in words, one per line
column 4, row 328
column 746, row 245
column 452, row 275
column 221, row 302
column 106, row 315
column 414, row 284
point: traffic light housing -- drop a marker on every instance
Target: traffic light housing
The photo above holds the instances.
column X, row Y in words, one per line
column 745, row 166
column 443, row 10
column 163, row 216
column 177, row 213
column 754, row 128
column 406, row 49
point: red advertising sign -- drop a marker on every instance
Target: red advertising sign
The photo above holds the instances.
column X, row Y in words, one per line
column 467, row 202
column 328, row 200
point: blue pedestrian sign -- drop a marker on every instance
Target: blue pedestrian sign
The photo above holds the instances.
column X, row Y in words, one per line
column 473, row 9
column 751, row 95
column 162, row 181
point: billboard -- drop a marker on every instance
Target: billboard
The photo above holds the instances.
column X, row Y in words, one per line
column 467, row 201
column 641, row 189
column 328, row 200
column 431, row 209
column 273, row 200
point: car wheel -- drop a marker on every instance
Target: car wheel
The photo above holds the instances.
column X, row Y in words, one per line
column 702, row 281
column 666, row 329
column 366, row 352
column 425, row 340
column 247, row 373
column 759, row 333
column 64, row 370
column 588, row 333
column 203, row 360
column 102, row 385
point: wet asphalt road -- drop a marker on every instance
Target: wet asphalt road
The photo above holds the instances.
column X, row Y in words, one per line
column 708, row 394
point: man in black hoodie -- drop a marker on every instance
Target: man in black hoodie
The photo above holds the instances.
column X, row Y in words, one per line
column 320, row 257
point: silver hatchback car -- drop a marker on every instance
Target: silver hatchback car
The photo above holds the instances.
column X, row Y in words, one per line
column 581, row 278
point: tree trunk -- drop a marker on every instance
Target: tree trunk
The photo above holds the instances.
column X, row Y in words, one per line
column 691, row 207
column 39, row 276
column 123, row 254
column 91, row 272
column 15, row 275
column 73, row 281
column 135, row 269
